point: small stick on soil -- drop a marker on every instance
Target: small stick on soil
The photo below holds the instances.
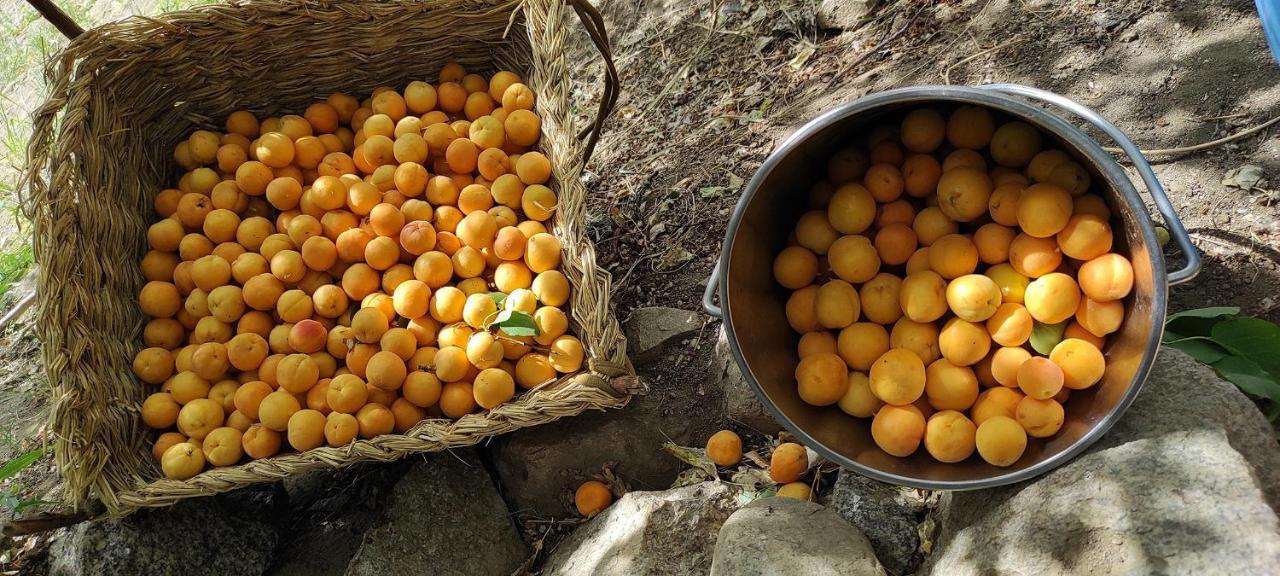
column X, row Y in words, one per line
column 1204, row 146
column 946, row 74
column 878, row 46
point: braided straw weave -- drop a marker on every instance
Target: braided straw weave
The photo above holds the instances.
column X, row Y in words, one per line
column 122, row 95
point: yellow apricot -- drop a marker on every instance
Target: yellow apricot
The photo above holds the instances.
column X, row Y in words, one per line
column 898, row 377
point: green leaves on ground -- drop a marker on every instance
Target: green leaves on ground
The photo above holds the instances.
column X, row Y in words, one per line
column 515, row 323
column 10, row 499
column 1245, row 351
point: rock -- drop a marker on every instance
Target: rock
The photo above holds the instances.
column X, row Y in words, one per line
column 332, row 511
column 888, row 515
column 1182, row 394
column 648, row 329
column 740, row 401
column 194, row 537
column 843, row 14
column 784, row 537
column 1181, row 503
column 648, row 534
column 539, row 467
column 444, row 515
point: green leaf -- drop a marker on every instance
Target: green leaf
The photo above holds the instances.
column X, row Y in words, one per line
column 498, row 298
column 1249, row 377
column 1253, row 338
column 516, row 323
column 1198, row 322
column 20, row 463
column 1203, row 349
column 1045, row 336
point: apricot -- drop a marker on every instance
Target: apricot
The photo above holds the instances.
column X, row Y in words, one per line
column 1040, row 418
column 964, row 193
column 160, row 410
column 898, row 377
column 858, row 399
column 483, row 350
column 837, row 304
column 260, row 442
column 222, row 446
column 276, row 409
column 918, row 337
column 922, row 130
column 159, row 299
column 534, row 370
column 1075, row 330
column 209, row 361
column 248, row 397
column 847, row 165
column 923, row 296
column 567, row 354
column 451, row 364
column 1070, row 176
column 788, row 462
column 297, row 373
column 950, row 387
column 1003, row 203
column 1052, row 298
column 1086, row 236
column 182, row 461
column 493, row 387
column 886, row 152
column 822, row 379
column 852, row 210
column 1000, row 440
column 457, row 400
column 998, row 401
column 931, row 224
column 386, row 370
column 973, row 297
column 724, row 448
column 1041, row 378
column 963, row 343
column 359, row 280
column 801, row 310
column 164, row 442
column 970, row 127
column 1106, row 278
column 552, row 322
column 794, row 268
column 1092, row 204
column 1034, row 257
column 884, row 181
column 346, row 393
column 1044, row 210
column 898, row 430
column 199, row 417
column 1100, row 318
column 1081, row 363
column 949, row 436
column 591, row 497
column 860, row 344
column 895, row 243
column 853, row 258
column 186, row 385
column 153, row 365
column 1014, row 144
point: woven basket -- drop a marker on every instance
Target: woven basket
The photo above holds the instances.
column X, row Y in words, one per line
column 122, row 95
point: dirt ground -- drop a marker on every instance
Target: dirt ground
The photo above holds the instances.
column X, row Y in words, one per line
column 710, row 87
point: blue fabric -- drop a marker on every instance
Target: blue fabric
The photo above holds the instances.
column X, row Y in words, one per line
column 1269, row 12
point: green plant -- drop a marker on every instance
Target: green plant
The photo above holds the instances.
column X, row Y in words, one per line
column 13, row 266
column 1243, row 350
column 11, row 497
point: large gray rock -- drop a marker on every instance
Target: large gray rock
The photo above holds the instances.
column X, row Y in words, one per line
column 785, row 537
column 649, row 329
column 331, row 511
column 672, row 532
column 444, row 515
column 539, row 467
column 1181, row 503
column 740, row 401
column 210, row 536
column 888, row 515
column 1182, row 394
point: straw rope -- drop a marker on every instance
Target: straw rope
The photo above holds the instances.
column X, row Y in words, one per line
column 121, row 95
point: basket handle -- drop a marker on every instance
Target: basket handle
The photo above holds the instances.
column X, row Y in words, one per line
column 1167, row 212
column 57, row 17
column 594, row 24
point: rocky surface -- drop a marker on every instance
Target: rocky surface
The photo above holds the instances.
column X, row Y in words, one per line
column 444, row 515
column 649, row 329
column 843, row 14
column 1183, row 395
column 225, row 536
column 740, row 401
column 1181, row 503
column 889, row 516
column 540, row 467
column 784, row 537
column 672, row 532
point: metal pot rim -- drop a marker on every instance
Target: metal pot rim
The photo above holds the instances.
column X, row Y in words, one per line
column 1042, row 119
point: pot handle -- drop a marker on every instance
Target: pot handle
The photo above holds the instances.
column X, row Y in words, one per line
column 1176, row 230
column 709, row 295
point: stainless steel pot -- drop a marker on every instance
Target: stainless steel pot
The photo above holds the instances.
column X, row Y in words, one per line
column 764, row 345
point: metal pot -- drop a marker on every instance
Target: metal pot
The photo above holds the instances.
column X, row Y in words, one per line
column 764, row 345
